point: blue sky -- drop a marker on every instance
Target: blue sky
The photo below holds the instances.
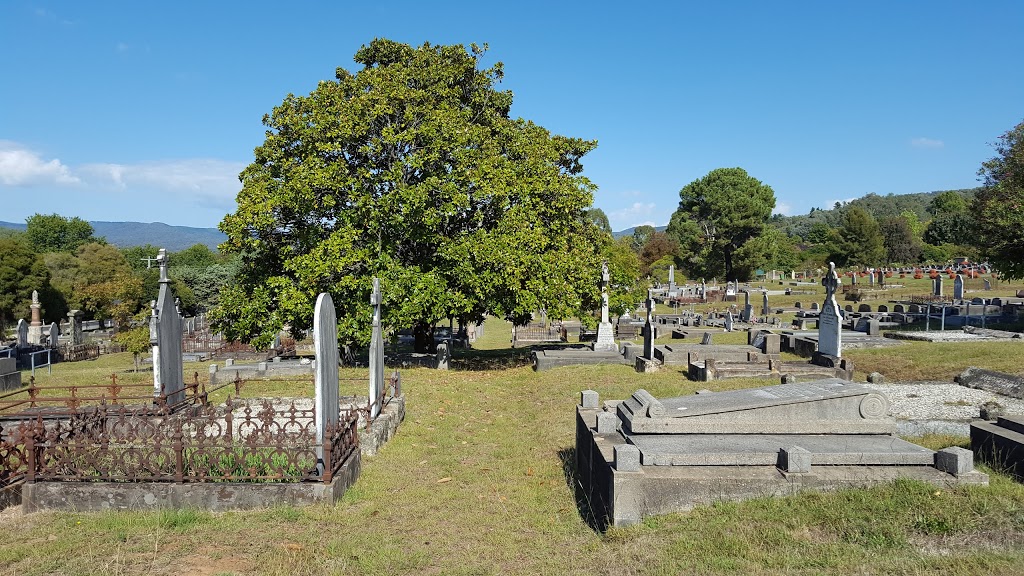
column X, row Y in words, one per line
column 128, row 110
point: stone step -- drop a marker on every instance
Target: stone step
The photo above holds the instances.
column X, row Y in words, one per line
column 763, row 450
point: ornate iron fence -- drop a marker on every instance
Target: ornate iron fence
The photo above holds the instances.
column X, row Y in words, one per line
column 238, row 442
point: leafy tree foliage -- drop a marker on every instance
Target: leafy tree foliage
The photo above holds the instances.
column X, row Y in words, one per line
column 21, row 272
column 55, row 233
column 659, row 245
column 411, row 170
column 950, row 228
column 197, row 255
column 948, row 202
column 140, row 258
column 135, row 340
column 717, row 215
column 860, row 240
column 999, row 205
column 600, row 219
column 901, row 245
column 627, row 288
column 640, row 236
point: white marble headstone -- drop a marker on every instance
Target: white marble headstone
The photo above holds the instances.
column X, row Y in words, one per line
column 325, row 346
column 830, row 319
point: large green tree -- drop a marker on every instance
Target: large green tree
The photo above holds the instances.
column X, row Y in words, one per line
column 412, row 170
column 717, row 216
column 55, row 233
column 901, row 245
column 860, row 240
column 999, row 206
column 21, row 272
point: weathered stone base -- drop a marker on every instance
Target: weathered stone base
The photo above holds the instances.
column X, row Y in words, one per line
column 1000, row 444
column 646, row 365
column 621, row 491
column 383, row 428
column 547, row 359
column 213, row 496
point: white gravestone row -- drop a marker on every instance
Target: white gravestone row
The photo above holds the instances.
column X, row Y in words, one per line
column 830, row 319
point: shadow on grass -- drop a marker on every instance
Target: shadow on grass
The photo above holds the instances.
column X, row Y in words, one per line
column 583, row 506
column 500, row 359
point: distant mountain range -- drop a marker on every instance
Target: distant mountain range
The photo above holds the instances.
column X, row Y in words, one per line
column 629, row 231
column 125, row 234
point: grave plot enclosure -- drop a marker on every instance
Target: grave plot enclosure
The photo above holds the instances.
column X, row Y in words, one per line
column 643, row 456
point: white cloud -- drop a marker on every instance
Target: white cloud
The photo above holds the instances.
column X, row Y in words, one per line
column 22, row 167
column 638, row 214
column 783, row 208
column 207, row 181
column 927, row 143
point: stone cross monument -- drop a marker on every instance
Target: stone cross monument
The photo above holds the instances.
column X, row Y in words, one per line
column 830, row 319
column 376, row 354
column 165, row 336
column 649, row 328
column 605, row 331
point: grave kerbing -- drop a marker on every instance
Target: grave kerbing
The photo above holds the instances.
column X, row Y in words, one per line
column 325, row 345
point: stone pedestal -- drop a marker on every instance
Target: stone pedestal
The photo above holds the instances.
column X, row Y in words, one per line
column 605, row 338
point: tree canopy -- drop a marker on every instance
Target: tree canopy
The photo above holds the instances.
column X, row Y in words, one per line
column 412, row 170
column 999, row 206
column 717, row 216
column 55, row 233
column 860, row 240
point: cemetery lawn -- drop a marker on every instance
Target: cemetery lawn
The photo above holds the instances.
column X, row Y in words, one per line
column 478, row 480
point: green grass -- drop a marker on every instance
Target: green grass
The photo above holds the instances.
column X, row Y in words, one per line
column 474, row 482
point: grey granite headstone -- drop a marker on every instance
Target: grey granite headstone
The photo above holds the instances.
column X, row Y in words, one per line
column 814, row 305
column 22, row 333
column 75, row 327
column 376, row 353
column 988, row 284
column 649, row 328
column 764, row 303
column 830, row 320
column 53, row 335
column 937, row 286
column 671, row 278
column 958, row 287
column 706, row 339
column 589, row 399
column 728, row 321
column 325, row 370
column 168, row 372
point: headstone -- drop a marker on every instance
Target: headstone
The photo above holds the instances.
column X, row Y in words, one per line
column 605, row 331
column 706, row 340
column 671, row 278
column 899, row 308
column 75, row 328
column 22, row 333
column 814, row 305
column 376, row 354
column 443, row 357
column 764, row 303
column 325, row 370
column 958, row 287
column 881, row 278
column 830, row 321
column 937, row 286
column 988, row 284
column 53, row 335
column 165, row 335
column 864, row 308
column 883, row 308
column 728, row 321
column 649, row 328
column 748, row 310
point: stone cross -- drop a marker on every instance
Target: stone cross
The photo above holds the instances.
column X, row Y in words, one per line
column 376, row 353
column 605, row 331
column 327, row 411
column 958, row 287
column 165, row 335
column 605, row 278
column 830, row 319
column 649, row 327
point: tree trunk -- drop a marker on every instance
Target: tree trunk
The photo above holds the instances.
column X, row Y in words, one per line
column 727, row 256
column 423, row 334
